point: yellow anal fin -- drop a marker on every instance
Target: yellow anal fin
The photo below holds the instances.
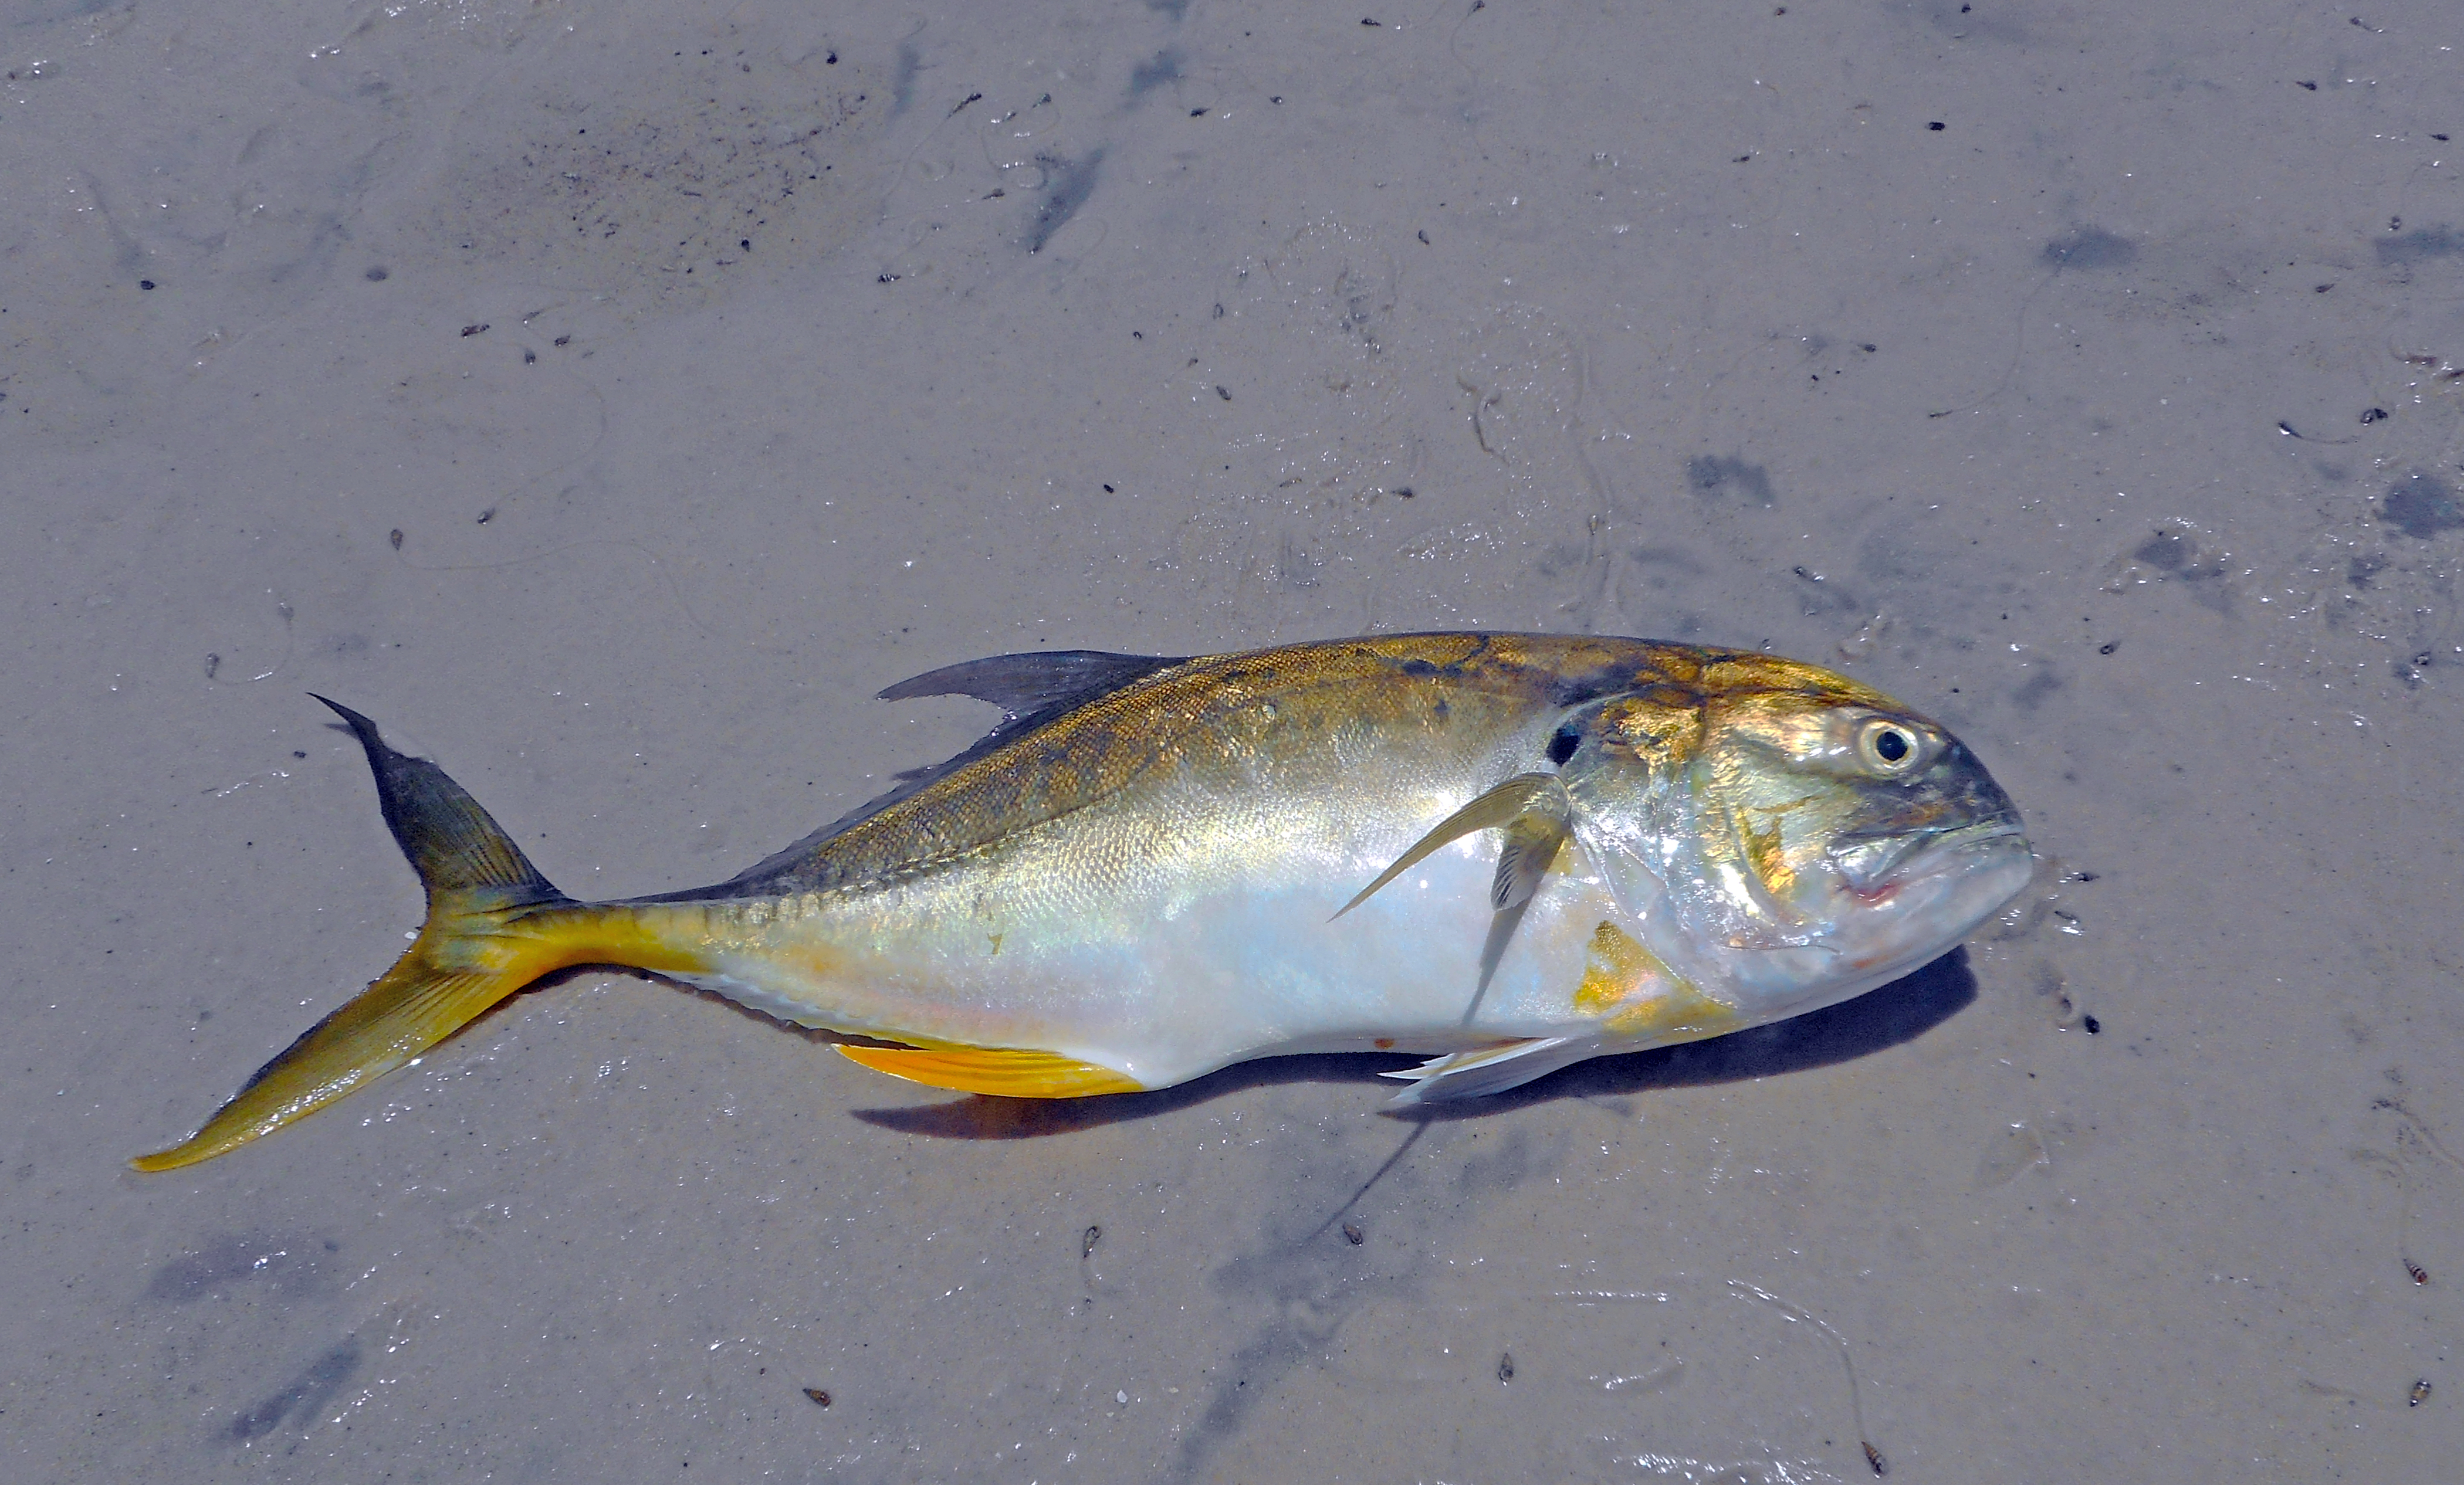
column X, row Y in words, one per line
column 1004, row 1072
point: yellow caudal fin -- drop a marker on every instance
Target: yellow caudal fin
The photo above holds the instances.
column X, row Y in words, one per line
column 1004, row 1072
column 494, row 926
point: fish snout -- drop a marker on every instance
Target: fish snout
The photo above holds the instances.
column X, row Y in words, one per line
column 1974, row 797
column 1962, row 818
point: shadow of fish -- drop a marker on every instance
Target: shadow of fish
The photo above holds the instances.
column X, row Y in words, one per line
column 1156, row 867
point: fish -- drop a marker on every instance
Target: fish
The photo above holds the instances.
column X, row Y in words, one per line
column 1499, row 853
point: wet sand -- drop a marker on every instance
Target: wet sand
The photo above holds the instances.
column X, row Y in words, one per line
column 608, row 398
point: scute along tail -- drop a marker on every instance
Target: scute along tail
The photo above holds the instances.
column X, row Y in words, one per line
column 486, row 937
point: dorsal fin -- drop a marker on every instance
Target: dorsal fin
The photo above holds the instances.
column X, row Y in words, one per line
column 1022, row 685
column 1031, row 689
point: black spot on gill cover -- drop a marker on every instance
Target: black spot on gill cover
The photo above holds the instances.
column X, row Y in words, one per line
column 2421, row 507
column 1574, row 691
column 1562, row 746
column 2090, row 247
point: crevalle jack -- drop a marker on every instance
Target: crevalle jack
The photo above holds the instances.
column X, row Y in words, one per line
column 1503, row 853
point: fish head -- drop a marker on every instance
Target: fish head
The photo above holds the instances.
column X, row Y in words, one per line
column 1789, row 832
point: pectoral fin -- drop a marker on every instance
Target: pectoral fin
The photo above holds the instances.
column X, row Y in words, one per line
column 1486, row 1070
column 1531, row 841
column 1533, row 807
column 1535, row 814
column 1004, row 1072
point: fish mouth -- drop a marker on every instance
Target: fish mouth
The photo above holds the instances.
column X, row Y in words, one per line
column 1876, row 864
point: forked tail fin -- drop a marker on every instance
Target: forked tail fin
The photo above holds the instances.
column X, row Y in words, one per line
column 486, row 937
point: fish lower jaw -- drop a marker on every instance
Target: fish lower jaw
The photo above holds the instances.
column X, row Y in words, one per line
column 1950, row 853
column 1949, row 888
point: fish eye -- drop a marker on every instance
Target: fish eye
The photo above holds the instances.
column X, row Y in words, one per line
column 1888, row 749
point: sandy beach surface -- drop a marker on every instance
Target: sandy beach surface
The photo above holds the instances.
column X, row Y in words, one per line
column 609, row 396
